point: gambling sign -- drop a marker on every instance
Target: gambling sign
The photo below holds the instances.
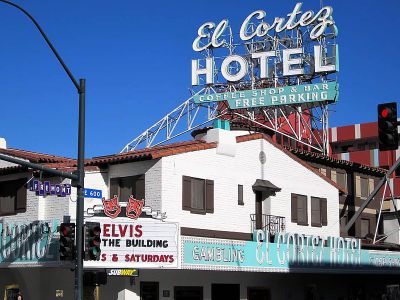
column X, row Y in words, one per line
column 144, row 243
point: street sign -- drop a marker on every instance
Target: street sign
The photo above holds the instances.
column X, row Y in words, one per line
column 92, row 193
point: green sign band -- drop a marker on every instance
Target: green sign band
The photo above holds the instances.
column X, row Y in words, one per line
column 285, row 95
column 336, row 254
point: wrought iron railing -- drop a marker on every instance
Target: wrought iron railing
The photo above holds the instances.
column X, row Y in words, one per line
column 274, row 224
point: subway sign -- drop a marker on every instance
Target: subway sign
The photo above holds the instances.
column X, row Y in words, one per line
column 123, row 272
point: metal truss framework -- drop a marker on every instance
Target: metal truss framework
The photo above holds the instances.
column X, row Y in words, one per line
column 302, row 123
column 305, row 125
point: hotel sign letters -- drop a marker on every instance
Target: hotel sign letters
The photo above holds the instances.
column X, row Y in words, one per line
column 33, row 242
column 267, row 53
column 286, row 95
column 322, row 20
column 288, row 252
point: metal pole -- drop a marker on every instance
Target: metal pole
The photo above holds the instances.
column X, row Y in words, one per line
column 80, row 196
column 37, row 167
column 53, row 49
column 80, row 177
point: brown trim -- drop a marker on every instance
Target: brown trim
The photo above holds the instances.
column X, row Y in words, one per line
column 229, row 235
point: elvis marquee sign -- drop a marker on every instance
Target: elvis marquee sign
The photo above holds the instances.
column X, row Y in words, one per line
column 143, row 243
column 298, row 51
column 289, row 252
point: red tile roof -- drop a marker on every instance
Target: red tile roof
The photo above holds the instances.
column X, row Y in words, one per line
column 34, row 157
column 152, row 153
column 319, row 157
column 195, row 145
column 12, row 170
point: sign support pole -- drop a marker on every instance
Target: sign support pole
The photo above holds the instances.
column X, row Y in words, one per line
column 79, row 175
column 80, row 193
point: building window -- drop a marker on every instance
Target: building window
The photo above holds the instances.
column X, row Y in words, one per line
column 188, row 292
column 13, row 197
column 124, row 187
column 299, row 209
column 365, row 227
column 333, row 175
column 364, row 187
column 240, row 194
column 319, row 212
column 149, row 290
column 341, row 179
column 197, row 195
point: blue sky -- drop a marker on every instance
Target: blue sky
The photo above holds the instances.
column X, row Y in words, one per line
column 136, row 58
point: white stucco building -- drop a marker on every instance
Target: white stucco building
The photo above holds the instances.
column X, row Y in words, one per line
column 217, row 189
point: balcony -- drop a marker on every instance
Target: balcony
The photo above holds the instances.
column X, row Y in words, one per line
column 274, row 224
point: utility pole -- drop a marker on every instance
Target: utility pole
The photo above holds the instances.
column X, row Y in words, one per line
column 79, row 175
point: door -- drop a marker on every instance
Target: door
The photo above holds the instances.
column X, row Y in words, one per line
column 258, row 293
column 149, row 290
column 225, row 291
column 259, row 223
column 188, row 293
column 11, row 292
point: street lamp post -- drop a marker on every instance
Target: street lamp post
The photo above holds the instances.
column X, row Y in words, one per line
column 77, row 176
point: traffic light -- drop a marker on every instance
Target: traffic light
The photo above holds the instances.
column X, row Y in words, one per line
column 387, row 126
column 67, row 241
column 92, row 241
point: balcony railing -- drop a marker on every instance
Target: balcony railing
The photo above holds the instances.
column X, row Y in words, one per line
column 274, row 224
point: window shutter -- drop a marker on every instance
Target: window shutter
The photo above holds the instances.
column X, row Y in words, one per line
column 20, row 203
column 240, row 194
column 305, row 209
column 210, row 196
column 186, row 192
column 316, row 215
column 294, row 208
column 302, row 210
column 114, row 187
column 324, row 212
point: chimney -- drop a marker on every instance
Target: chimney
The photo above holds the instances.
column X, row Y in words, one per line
column 223, row 136
column 3, row 143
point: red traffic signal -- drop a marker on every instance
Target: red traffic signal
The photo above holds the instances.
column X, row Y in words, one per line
column 387, row 126
column 92, row 241
column 67, row 241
